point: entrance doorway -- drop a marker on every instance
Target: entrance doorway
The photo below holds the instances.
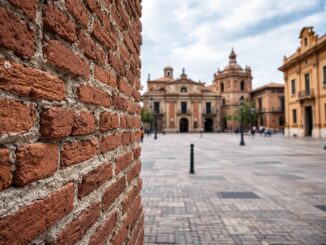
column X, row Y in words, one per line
column 308, row 121
column 208, row 126
column 184, row 125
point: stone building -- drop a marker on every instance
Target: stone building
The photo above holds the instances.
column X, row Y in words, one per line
column 182, row 105
column 305, row 86
column 269, row 103
column 233, row 83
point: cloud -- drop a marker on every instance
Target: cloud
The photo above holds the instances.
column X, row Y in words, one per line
column 198, row 35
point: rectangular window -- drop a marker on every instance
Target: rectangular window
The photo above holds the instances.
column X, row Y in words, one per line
column 208, row 107
column 282, row 103
column 307, row 83
column 260, row 105
column 183, row 107
column 294, row 115
column 324, row 68
column 157, row 107
column 293, row 87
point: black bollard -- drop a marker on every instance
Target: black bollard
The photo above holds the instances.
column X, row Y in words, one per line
column 192, row 169
column 325, row 147
column 201, row 134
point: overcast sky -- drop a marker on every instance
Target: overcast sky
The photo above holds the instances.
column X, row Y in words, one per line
column 199, row 34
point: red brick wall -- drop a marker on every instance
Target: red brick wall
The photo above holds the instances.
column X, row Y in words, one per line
column 69, row 122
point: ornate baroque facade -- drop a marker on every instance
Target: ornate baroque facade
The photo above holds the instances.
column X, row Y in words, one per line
column 305, row 86
column 183, row 105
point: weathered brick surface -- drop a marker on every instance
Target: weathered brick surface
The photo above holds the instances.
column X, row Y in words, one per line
column 84, row 123
column 27, row 6
column 93, row 95
column 78, row 151
column 123, row 161
column 109, row 120
column 11, row 28
column 94, row 179
column 56, row 122
column 58, row 22
column 91, row 49
column 37, row 216
column 113, row 192
column 77, row 228
column 78, row 10
column 69, row 122
column 30, row 82
column 109, row 143
column 16, row 117
column 61, row 56
column 104, row 231
column 105, row 76
column 34, row 162
column 5, row 169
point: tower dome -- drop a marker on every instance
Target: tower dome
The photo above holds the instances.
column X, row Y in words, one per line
column 233, row 65
column 168, row 71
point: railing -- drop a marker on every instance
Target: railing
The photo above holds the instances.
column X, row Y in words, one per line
column 211, row 113
column 184, row 112
column 306, row 94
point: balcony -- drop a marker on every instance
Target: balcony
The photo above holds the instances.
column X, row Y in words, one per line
column 157, row 113
column 306, row 94
column 209, row 113
column 184, row 112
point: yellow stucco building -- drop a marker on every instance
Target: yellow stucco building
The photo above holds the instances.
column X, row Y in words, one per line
column 305, row 87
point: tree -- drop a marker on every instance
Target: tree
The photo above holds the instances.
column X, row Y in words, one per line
column 146, row 115
column 247, row 116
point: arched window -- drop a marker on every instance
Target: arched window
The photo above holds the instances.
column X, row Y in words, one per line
column 183, row 90
column 222, row 87
column 306, row 41
column 242, row 86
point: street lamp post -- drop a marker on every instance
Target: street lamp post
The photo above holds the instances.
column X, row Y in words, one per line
column 242, row 143
column 252, row 110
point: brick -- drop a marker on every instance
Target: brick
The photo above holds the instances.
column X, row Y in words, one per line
column 137, row 233
column 16, row 117
column 117, row 64
column 126, row 138
column 38, row 216
column 108, row 121
column 103, row 36
column 78, row 10
column 134, row 171
column 123, row 121
column 95, row 7
column 131, row 107
column 91, row 49
column 137, row 122
column 104, row 231
column 105, row 76
column 119, row 102
column 94, row 179
column 57, row 22
column 78, row 151
column 122, row 162
column 5, row 169
column 16, row 35
column 62, row 57
column 27, row 6
column 34, row 162
column 30, row 82
column 109, row 143
column 136, row 152
column 136, row 95
column 84, row 123
column 74, row 231
column 124, row 87
column 113, row 192
column 130, row 122
column 93, row 95
column 56, row 122
column 131, row 196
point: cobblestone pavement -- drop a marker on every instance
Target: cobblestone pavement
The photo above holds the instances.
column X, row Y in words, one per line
column 271, row 191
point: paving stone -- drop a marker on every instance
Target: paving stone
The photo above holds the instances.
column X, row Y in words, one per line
column 287, row 175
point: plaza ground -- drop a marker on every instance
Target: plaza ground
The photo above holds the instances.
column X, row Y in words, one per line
column 271, row 191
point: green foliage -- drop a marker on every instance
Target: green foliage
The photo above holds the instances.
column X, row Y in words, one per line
column 247, row 115
column 146, row 115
